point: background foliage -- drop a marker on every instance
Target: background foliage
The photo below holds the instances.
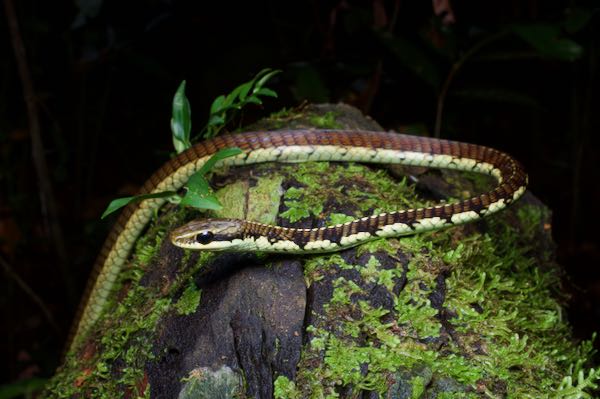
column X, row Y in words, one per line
column 516, row 75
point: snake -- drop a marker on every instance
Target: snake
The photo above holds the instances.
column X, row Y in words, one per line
column 300, row 146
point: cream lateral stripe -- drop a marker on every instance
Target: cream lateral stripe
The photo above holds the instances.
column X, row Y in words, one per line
column 302, row 146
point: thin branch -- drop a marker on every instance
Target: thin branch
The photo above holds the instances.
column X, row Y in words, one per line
column 453, row 71
column 31, row 294
column 49, row 210
column 375, row 79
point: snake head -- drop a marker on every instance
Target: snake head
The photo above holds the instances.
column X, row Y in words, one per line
column 210, row 235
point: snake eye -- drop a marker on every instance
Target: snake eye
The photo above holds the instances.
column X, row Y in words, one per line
column 204, row 237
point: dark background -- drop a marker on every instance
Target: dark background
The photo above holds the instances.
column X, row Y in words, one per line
column 520, row 76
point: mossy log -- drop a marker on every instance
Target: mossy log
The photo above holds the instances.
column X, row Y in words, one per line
column 467, row 312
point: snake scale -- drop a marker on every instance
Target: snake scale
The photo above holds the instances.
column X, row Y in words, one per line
column 301, row 146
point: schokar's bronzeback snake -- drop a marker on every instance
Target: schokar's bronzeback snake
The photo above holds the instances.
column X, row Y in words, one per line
column 302, row 146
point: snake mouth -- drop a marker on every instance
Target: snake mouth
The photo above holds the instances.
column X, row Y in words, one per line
column 182, row 237
column 182, row 242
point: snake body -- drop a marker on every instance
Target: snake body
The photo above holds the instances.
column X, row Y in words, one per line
column 302, row 146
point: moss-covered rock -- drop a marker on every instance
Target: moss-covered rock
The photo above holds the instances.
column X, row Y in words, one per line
column 467, row 312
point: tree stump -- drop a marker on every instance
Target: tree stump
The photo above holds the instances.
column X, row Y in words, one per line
column 467, row 312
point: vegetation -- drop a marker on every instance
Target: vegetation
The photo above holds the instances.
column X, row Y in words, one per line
column 519, row 76
column 495, row 299
column 198, row 193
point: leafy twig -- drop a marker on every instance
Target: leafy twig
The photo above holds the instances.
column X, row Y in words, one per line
column 225, row 107
column 198, row 193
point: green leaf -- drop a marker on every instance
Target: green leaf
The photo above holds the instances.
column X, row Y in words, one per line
column 119, row 203
column 208, row 201
column 245, row 88
column 263, row 91
column 224, row 107
column 199, row 193
column 181, row 122
column 254, row 100
column 262, row 73
column 222, row 154
column 268, row 75
column 231, row 97
column 547, row 39
column 198, row 183
column 216, row 120
column 217, row 104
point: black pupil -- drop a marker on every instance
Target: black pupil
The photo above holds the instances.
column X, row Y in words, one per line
column 205, row 237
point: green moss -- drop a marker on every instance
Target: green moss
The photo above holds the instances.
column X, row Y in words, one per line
column 361, row 190
column 264, row 198
column 300, row 117
column 325, row 121
column 389, row 246
column 315, row 267
column 233, row 197
column 285, row 389
column 418, row 387
column 126, row 329
column 457, row 395
column 463, row 185
column 128, row 339
column 282, row 118
column 259, row 202
column 339, row 218
column 372, row 270
column 417, row 317
column 189, row 300
column 505, row 304
column 586, row 381
column 384, row 351
column 499, row 305
column 147, row 247
column 283, row 114
column 300, row 205
column 531, row 222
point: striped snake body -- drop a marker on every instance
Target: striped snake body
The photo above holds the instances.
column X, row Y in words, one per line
column 302, row 146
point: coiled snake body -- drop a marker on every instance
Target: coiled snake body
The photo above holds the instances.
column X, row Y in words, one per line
column 302, row 146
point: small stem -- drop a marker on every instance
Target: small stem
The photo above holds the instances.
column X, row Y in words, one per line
column 375, row 79
column 453, row 71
